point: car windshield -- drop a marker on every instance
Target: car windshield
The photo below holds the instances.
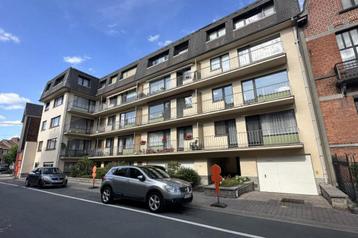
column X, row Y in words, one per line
column 154, row 173
column 51, row 171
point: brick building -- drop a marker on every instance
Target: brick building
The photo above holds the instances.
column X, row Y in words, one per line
column 331, row 37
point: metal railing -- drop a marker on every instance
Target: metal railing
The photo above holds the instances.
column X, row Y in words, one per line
column 347, row 71
column 271, row 50
column 75, row 105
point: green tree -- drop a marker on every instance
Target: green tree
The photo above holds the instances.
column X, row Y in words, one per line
column 10, row 156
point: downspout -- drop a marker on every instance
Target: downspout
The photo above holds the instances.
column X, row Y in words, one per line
column 328, row 171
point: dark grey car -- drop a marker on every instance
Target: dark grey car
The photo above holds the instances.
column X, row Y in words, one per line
column 46, row 177
column 147, row 184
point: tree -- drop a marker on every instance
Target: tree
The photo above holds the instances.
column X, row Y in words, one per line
column 10, row 156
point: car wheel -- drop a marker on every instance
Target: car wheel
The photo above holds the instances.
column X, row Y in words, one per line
column 41, row 183
column 155, row 202
column 27, row 183
column 107, row 195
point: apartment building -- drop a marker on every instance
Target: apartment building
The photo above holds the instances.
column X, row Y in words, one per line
column 331, row 38
column 234, row 93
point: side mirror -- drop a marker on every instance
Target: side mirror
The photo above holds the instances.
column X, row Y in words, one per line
column 141, row 178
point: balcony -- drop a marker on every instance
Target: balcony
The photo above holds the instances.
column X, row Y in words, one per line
column 273, row 139
column 74, row 153
column 76, row 106
column 273, row 56
column 347, row 73
column 77, row 130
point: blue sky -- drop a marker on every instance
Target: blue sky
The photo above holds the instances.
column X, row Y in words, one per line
column 39, row 39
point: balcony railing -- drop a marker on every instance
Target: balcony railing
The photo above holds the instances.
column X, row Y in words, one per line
column 251, row 139
column 347, row 72
column 75, row 129
column 229, row 102
column 75, row 153
column 82, row 107
column 268, row 51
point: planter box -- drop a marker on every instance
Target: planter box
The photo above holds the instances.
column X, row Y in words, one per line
column 230, row 192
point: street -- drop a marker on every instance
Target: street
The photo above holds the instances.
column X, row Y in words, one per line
column 77, row 212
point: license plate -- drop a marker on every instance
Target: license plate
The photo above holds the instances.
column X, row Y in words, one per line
column 188, row 195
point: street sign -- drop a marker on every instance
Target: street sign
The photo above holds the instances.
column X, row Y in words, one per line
column 216, row 179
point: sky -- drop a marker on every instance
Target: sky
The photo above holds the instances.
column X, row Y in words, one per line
column 39, row 39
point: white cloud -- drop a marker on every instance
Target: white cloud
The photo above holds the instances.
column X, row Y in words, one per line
column 10, row 123
column 153, row 38
column 6, row 36
column 12, row 101
column 165, row 43
column 75, row 59
column 2, row 117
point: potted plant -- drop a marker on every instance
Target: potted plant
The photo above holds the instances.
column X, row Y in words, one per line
column 189, row 137
column 142, row 142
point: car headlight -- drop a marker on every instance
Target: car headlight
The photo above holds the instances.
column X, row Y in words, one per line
column 46, row 178
column 172, row 189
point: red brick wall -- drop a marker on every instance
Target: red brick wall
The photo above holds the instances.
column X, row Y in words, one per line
column 340, row 115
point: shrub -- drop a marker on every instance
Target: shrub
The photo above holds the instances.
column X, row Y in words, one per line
column 83, row 167
column 173, row 167
column 235, row 181
column 189, row 175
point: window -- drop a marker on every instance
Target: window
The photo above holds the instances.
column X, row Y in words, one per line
column 184, row 76
column 129, row 72
column 84, row 103
column 266, row 87
column 51, row 144
column 48, row 87
column 109, row 142
column 217, row 32
column 102, row 84
column 121, row 172
column 83, row 81
column 129, row 96
column 111, row 120
column 44, row 124
column 47, row 165
column 39, row 147
column 58, row 101
column 113, row 101
column 159, row 85
column 220, row 128
column 159, row 139
column 59, row 80
column 134, row 173
column 47, row 106
column 55, row 122
column 254, row 16
column 158, row 59
column 112, row 79
column 348, row 44
column 128, row 119
column 346, row 4
column 223, row 94
column 221, row 62
column 188, row 102
column 181, row 48
column 261, row 51
column 160, row 111
column 125, row 143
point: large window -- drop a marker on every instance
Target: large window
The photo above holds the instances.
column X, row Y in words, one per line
column 184, row 76
column 51, row 144
column 348, row 44
column 158, row 59
column 255, row 16
column 84, row 103
column 224, row 93
column 181, row 48
column 216, row 32
column 112, row 79
column 221, row 62
column 159, row 139
column 125, row 144
column 266, row 88
column 259, row 52
column 346, row 4
column 113, row 101
column 159, row 111
column 159, row 85
column 83, row 81
column 111, row 120
column 129, row 96
column 55, row 122
column 58, row 101
column 129, row 72
column 128, row 119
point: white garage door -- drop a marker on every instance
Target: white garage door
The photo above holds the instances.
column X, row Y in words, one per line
column 287, row 175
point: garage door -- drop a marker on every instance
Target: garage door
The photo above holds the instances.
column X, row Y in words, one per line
column 287, row 175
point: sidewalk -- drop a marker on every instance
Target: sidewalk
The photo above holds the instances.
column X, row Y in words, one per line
column 315, row 211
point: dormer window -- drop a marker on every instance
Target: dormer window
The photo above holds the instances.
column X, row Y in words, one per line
column 254, row 16
column 83, row 82
column 158, row 59
column 129, row 72
column 102, row 84
column 59, row 80
column 216, row 32
column 181, row 48
column 48, row 87
column 112, row 79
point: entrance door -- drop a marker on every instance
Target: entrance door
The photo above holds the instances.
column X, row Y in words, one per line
column 291, row 174
column 254, row 132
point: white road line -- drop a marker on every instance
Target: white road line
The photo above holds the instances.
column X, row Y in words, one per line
column 143, row 212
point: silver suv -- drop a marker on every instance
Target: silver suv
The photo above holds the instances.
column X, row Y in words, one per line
column 147, row 184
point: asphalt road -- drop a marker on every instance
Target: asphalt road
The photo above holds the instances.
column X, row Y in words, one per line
column 77, row 212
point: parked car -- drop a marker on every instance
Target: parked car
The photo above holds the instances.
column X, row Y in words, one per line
column 4, row 168
column 147, row 184
column 46, row 177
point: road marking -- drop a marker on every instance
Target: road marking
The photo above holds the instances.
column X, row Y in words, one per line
column 142, row 212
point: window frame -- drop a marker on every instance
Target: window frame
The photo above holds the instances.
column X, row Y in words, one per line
column 221, row 62
column 48, row 144
column 186, row 106
column 345, row 47
column 39, row 146
column 47, row 106
column 53, row 120
column 222, row 88
column 216, row 125
column 184, row 44
column 43, row 125
column 215, row 31
column 55, row 102
column 81, row 80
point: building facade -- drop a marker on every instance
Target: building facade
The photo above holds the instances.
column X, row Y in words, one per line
column 331, row 37
column 234, row 93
